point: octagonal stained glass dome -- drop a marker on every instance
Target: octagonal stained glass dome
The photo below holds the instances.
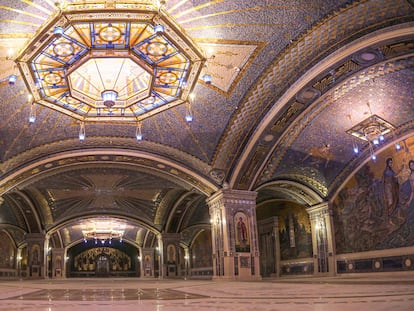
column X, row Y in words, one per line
column 126, row 78
column 131, row 49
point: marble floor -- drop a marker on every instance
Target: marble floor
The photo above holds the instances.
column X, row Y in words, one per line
column 374, row 292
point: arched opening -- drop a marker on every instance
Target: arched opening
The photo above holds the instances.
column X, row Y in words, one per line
column 90, row 259
column 285, row 239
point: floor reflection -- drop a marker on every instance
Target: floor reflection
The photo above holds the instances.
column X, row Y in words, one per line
column 341, row 293
column 106, row 295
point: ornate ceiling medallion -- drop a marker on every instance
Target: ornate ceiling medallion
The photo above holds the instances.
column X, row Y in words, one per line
column 111, row 61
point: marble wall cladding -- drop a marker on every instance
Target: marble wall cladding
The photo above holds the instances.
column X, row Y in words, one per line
column 302, row 268
column 377, row 264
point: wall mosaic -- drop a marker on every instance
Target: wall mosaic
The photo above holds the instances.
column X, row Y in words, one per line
column 294, row 233
column 242, row 232
column 201, row 250
column 118, row 260
column 375, row 209
column 6, row 213
column 7, row 251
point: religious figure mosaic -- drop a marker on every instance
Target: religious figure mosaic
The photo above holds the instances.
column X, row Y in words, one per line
column 375, row 210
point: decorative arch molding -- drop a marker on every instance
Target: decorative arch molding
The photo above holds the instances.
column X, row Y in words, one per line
column 76, row 242
column 177, row 204
column 17, row 209
column 164, row 208
column 257, row 153
column 41, row 204
column 57, row 240
column 6, row 229
column 64, row 160
column 189, row 203
column 96, row 142
column 150, row 240
column 33, row 223
column 189, row 235
column 56, row 230
column 128, row 219
column 293, row 190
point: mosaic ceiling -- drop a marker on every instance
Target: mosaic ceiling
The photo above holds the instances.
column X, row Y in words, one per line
column 93, row 65
column 289, row 80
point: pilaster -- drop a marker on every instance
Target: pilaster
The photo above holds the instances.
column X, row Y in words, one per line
column 171, row 250
column 148, row 263
column 57, row 262
column 269, row 243
column 234, row 234
column 322, row 239
column 37, row 255
column 159, row 252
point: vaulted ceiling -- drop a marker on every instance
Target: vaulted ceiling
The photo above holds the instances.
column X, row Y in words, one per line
column 289, row 79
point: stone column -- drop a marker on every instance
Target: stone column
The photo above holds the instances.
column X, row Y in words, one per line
column 159, row 252
column 139, row 270
column 37, row 252
column 234, row 234
column 19, row 262
column 148, row 263
column 322, row 239
column 171, row 251
column 58, row 262
column 187, row 257
column 270, row 228
column 277, row 245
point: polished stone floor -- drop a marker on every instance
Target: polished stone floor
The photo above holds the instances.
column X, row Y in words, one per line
column 374, row 292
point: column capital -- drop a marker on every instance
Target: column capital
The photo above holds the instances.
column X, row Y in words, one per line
column 40, row 236
column 170, row 236
column 228, row 200
column 148, row 249
column 318, row 210
column 231, row 196
column 269, row 224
